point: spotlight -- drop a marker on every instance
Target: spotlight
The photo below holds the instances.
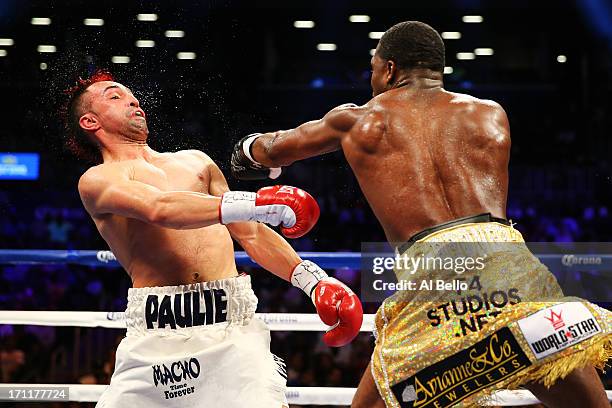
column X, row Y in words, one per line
column 326, row 47
column 40, row 21
column 120, row 59
column 46, row 48
column 359, row 18
column 303, row 24
column 147, row 17
column 473, row 19
column 465, row 56
column 451, row 35
column 186, row 55
column 174, row 34
column 93, row 22
column 483, row 51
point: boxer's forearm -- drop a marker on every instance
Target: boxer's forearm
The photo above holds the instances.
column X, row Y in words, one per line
column 276, row 149
column 184, row 210
column 282, row 148
column 270, row 251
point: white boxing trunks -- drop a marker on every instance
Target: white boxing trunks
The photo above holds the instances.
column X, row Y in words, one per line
column 196, row 345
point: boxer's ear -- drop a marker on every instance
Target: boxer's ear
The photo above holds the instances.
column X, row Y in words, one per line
column 390, row 71
column 89, row 122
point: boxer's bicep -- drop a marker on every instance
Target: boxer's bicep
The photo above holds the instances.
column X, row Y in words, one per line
column 104, row 194
column 127, row 198
column 310, row 139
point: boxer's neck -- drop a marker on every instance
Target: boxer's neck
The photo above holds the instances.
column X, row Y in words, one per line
column 123, row 150
column 418, row 79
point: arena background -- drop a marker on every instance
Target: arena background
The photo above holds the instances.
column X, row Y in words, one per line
column 254, row 70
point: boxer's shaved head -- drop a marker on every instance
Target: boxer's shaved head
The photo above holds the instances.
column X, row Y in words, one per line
column 412, row 44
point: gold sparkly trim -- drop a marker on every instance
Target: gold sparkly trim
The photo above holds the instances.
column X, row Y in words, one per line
column 596, row 353
column 387, row 395
column 475, row 232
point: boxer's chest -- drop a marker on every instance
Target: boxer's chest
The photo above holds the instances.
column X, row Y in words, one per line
column 173, row 175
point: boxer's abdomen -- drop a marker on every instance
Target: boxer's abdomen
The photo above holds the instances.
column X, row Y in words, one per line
column 157, row 256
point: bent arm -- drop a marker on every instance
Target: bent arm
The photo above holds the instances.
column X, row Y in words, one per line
column 267, row 248
column 261, row 243
column 310, row 139
column 133, row 199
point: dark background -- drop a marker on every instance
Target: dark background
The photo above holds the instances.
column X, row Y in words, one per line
column 255, row 72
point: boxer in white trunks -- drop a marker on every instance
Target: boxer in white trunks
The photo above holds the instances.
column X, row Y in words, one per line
column 169, row 218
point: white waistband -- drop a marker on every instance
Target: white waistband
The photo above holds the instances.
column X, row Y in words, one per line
column 188, row 307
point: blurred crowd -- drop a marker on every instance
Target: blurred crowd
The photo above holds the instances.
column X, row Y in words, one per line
column 67, row 226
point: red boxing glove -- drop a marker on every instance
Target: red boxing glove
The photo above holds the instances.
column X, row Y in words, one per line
column 303, row 205
column 340, row 308
column 294, row 209
column 336, row 303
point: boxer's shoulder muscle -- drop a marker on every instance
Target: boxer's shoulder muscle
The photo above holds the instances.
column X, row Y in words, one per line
column 344, row 117
column 477, row 115
column 198, row 154
column 195, row 157
column 97, row 176
column 484, row 120
column 371, row 122
column 467, row 104
column 93, row 182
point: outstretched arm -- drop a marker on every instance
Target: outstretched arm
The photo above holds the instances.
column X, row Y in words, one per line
column 102, row 195
column 255, row 154
column 106, row 193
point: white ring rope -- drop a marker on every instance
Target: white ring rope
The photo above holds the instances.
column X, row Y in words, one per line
column 295, row 395
column 276, row 322
column 116, row 320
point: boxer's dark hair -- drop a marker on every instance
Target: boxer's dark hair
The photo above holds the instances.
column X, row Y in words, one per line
column 412, row 44
column 77, row 140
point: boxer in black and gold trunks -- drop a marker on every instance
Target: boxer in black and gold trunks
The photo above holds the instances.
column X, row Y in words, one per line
column 435, row 161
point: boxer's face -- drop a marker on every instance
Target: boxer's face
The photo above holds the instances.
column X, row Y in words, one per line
column 112, row 107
